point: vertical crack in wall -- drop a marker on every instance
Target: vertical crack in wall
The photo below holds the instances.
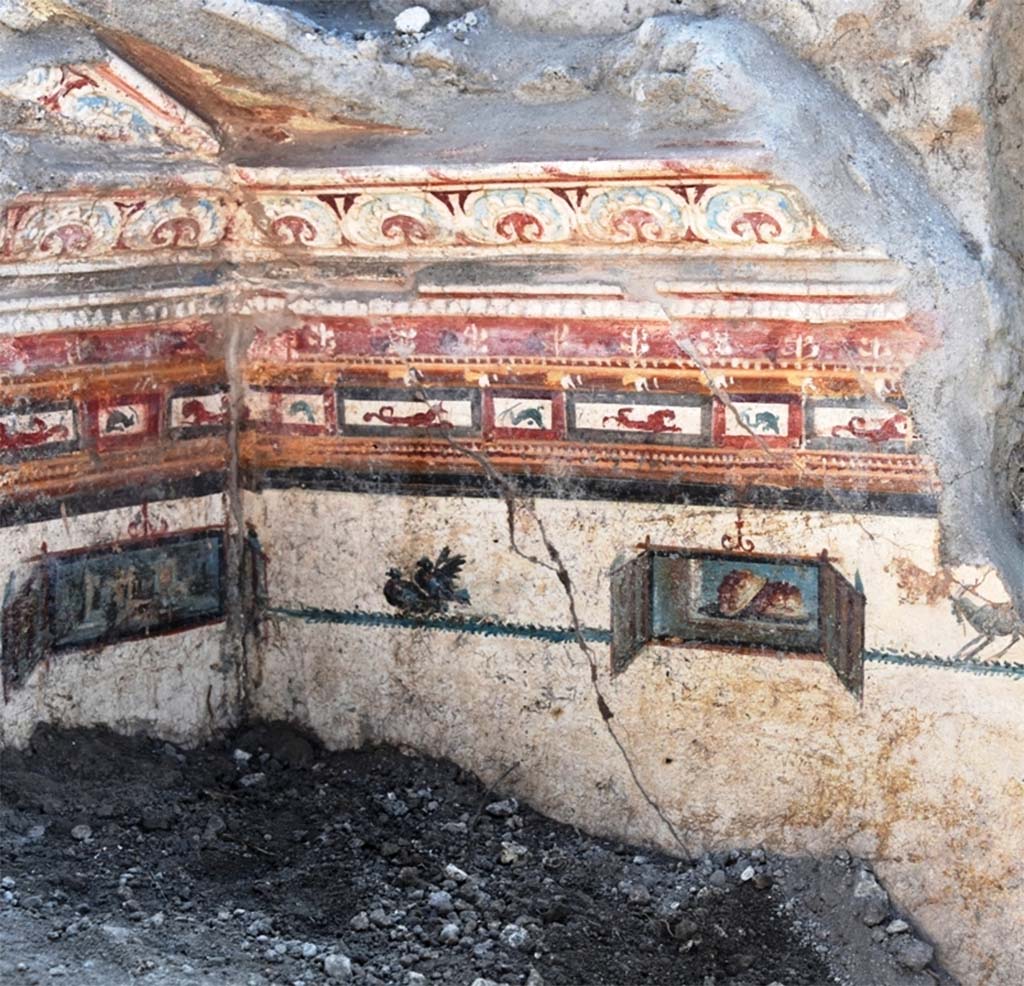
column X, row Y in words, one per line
column 515, row 503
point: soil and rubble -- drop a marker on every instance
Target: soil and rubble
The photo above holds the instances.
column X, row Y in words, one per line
column 265, row 859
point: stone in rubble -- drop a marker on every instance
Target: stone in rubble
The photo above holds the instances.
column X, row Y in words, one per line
column 503, row 809
column 338, row 967
column 912, row 953
column 441, row 901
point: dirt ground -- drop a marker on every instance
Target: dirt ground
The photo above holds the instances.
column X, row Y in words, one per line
column 266, row 859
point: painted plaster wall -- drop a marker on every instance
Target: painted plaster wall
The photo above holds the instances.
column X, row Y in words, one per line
column 925, row 776
column 169, row 686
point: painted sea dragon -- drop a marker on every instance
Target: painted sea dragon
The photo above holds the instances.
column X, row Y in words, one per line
column 40, row 433
column 434, row 417
column 892, row 429
column 529, row 414
column 656, row 422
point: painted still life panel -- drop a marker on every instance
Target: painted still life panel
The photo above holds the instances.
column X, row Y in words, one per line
column 788, row 605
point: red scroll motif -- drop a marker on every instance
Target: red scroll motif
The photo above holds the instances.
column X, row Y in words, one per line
column 520, row 227
column 293, row 229
column 73, row 238
column 179, row 231
column 405, row 228
column 761, row 224
column 638, row 223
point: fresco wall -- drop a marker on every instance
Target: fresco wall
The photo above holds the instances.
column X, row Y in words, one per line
column 509, row 462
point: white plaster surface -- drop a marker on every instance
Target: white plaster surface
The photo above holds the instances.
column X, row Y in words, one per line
column 170, row 686
column 738, row 748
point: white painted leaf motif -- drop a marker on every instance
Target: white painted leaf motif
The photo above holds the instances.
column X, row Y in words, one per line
column 397, row 219
column 634, row 214
column 66, row 229
column 517, row 215
column 175, row 223
column 298, row 220
column 752, row 214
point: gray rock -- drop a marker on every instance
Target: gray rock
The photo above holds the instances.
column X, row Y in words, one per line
column 395, row 806
column 515, row 936
column 360, row 922
column 308, row 950
column 870, row 899
column 441, row 901
column 412, row 20
column 452, row 872
column 338, row 967
column 251, row 780
column 156, row 819
column 912, row 953
column 450, row 934
column 534, row 978
column 80, row 833
column 685, row 930
column 717, row 879
column 416, row 979
column 503, row 809
column 897, row 927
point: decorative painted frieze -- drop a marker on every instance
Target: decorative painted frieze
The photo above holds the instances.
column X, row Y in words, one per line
column 69, row 229
column 110, row 101
column 649, row 208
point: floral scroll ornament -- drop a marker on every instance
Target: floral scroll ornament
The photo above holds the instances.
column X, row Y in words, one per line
column 634, row 214
column 64, row 229
column 738, row 541
column 517, row 215
column 753, row 214
column 397, row 219
column 140, row 526
column 175, row 222
column 299, row 220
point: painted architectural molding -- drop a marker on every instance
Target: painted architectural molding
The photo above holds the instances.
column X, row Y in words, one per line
column 556, row 208
column 110, row 101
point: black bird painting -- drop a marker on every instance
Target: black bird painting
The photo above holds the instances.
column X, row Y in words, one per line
column 431, row 588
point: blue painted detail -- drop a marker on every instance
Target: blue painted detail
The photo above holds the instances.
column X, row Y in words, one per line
column 595, row 635
column 455, row 624
column 1011, row 669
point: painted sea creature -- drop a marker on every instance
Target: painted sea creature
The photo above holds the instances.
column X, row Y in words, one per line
column 118, row 420
column 892, row 429
column 297, row 408
column 39, row 435
column 201, row 415
column 434, row 417
column 761, row 422
column 989, row 621
column 656, row 422
column 531, row 415
column 432, row 586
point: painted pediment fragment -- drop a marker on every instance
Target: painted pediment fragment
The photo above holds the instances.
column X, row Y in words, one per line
column 110, row 101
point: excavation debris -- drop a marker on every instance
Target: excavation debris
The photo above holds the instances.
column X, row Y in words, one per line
column 375, row 867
